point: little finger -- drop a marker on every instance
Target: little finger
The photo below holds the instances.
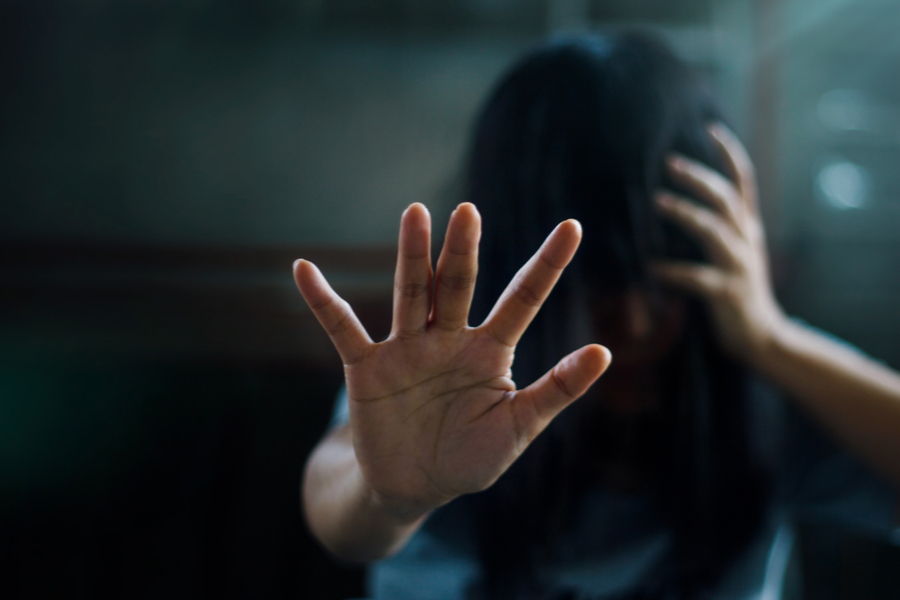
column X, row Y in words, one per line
column 334, row 314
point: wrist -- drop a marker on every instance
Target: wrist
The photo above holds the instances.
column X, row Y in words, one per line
column 401, row 513
column 770, row 338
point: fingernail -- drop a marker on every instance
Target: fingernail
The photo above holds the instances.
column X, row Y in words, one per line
column 664, row 200
column 297, row 262
column 676, row 162
column 471, row 207
column 558, row 225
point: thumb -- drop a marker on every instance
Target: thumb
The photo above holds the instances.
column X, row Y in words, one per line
column 541, row 401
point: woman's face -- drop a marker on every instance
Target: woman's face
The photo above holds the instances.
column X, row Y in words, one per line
column 640, row 328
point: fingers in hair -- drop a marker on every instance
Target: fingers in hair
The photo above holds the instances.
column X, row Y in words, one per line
column 717, row 237
column 738, row 162
column 709, row 186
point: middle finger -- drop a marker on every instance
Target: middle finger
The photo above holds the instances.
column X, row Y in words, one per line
column 454, row 279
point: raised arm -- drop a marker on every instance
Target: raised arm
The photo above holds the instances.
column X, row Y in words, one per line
column 855, row 397
column 434, row 412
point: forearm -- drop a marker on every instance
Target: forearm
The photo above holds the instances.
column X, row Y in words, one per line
column 344, row 514
column 855, row 397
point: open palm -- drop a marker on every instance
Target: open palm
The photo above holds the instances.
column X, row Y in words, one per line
column 434, row 412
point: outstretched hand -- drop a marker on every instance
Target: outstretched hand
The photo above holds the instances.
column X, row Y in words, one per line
column 434, row 412
column 735, row 284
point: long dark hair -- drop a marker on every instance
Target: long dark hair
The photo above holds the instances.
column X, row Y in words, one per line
column 580, row 128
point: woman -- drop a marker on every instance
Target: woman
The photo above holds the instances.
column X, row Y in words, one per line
column 669, row 479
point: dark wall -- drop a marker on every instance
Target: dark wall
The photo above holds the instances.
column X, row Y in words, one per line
column 138, row 480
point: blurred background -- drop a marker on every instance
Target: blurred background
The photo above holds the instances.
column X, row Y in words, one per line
column 162, row 163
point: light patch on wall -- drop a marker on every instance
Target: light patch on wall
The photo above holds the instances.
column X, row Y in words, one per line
column 843, row 185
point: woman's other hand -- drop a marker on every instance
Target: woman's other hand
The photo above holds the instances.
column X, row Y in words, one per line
column 735, row 283
column 434, row 412
column 855, row 397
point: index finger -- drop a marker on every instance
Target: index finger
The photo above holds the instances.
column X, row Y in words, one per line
column 527, row 291
column 737, row 162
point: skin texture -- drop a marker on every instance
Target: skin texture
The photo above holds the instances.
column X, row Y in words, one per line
column 857, row 398
column 434, row 413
